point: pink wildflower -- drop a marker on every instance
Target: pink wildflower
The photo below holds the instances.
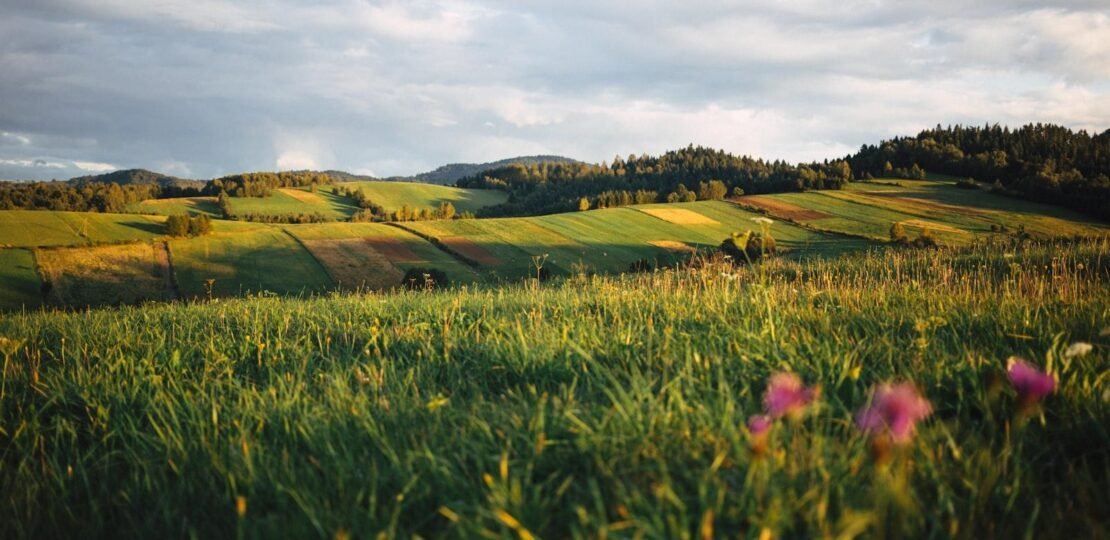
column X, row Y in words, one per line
column 787, row 396
column 894, row 409
column 1031, row 383
column 759, row 424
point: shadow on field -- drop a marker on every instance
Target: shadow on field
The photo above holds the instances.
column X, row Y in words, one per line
column 144, row 226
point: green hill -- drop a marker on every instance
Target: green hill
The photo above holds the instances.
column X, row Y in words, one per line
column 392, row 195
column 448, row 174
column 291, row 259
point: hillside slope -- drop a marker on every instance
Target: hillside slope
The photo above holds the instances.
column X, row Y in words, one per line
column 448, row 174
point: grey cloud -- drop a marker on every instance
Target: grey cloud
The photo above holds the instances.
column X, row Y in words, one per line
column 207, row 88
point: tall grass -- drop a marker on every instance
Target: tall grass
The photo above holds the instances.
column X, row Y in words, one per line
column 597, row 406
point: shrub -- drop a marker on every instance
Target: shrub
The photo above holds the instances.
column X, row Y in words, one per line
column 177, row 225
column 925, row 239
column 898, row 234
column 200, row 225
column 419, row 278
column 749, row 246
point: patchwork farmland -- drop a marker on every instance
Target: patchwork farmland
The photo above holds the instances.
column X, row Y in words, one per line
column 242, row 257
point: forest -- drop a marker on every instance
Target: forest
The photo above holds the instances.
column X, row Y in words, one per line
column 1040, row 162
column 546, row 188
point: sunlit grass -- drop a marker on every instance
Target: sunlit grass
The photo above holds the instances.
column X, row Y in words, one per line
column 589, row 407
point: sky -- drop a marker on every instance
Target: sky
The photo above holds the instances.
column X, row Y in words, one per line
column 203, row 88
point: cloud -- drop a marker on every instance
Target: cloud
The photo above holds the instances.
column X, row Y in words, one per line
column 95, row 167
column 294, row 160
column 205, row 88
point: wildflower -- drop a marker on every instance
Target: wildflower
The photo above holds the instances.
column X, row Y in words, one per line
column 241, row 505
column 787, row 396
column 759, row 426
column 894, row 410
column 1079, row 348
column 1031, row 383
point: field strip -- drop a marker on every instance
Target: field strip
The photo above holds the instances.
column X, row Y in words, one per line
column 310, row 254
column 679, row 216
column 922, row 224
column 435, row 242
column 306, row 197
column 673, row 245
column 782, row 209
column 354, row 263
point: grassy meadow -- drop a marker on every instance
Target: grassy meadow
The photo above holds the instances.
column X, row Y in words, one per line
column 591, row 407
column 955, row 216
column 392, row 195
column 21, row 283
column 611, row 240
column 37, row 228
column 267, row 260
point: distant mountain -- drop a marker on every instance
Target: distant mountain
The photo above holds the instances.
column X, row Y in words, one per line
column 136, row 176
column 448, row 174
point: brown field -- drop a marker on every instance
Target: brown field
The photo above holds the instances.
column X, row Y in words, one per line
column 927, row 204
column 102, row 275
column 306, row 197
column 783, row 209
column 920, row 223
column 470, row 250
column 393, row 248
column 353, row 263
column 672, row 245
column 679, row 216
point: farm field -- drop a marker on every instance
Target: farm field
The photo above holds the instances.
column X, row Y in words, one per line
column 955, row 216
column 611, row 240
column 295, row 201
column 598, row 406
column 392, row 195
column 106, row 275
column 374, row 255
column 20, row 284
column 264, row 260
column 34, row 228
column 177, row 206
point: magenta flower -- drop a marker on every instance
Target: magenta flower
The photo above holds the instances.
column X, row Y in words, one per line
column 1031, row 383
column 786, row 395
column 759, row 424
column 895, row 410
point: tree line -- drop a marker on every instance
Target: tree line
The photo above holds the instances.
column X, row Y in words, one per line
column 543, row 188
column 87, row 197
column 1039, row 162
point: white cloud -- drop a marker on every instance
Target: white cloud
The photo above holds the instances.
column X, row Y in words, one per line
column 32, row 163
column 295, row 159
column 93, row 166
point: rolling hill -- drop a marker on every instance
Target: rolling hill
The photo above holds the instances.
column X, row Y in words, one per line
column 63, row 248
column 448, row 174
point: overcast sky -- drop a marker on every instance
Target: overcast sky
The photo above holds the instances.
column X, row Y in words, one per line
column 200, row 88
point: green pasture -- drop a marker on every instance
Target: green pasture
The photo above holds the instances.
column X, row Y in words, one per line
column 262, row 260
column 20, row 285
column 278, row 203
column 392, row 195
column 40, row 228
column 178, row 206
column 426, row 254
column 961, row 215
